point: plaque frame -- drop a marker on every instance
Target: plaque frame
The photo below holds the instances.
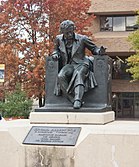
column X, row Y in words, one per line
column 52, row 135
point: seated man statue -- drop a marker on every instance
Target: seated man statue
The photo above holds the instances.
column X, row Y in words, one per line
column 74, row 66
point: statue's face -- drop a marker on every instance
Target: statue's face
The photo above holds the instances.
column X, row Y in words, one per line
column 69, row 33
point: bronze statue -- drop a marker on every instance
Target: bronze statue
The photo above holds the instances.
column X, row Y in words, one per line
column 75, row 68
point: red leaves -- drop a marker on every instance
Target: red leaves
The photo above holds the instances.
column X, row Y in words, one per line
column 11, row 61
column 26, row 29
column 74, row 10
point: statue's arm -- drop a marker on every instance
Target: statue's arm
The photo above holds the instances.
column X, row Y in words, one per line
column 93, row 48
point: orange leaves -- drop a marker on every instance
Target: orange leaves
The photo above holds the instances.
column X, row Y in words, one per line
column 11, row 61
column 74, row 10
column 28, row 28
column 24, row 27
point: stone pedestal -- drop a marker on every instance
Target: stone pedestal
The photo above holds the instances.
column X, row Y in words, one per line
column 71, row 117
column 115, row 144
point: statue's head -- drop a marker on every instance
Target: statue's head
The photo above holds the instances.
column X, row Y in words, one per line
column 67, row 28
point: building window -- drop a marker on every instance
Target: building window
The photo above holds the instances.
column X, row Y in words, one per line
column 118, row 23
column 131, row 23
column 106, row 23
column 126, row 104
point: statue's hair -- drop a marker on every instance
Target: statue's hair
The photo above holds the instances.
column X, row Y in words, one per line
column 66, row 24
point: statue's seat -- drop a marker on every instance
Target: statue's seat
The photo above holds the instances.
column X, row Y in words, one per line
column 95, row 100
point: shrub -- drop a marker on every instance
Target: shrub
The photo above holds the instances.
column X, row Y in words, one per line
column 16, row 104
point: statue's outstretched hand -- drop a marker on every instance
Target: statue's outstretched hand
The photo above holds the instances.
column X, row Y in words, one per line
column 102, row 51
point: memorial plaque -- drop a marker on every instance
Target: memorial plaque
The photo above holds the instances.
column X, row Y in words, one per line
column 46, row 135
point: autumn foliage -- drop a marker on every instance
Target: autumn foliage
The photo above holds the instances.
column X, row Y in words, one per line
column 27, row 31
column 11, row 61
column 75, row 10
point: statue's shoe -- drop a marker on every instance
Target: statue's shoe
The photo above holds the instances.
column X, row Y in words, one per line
column 77, row 104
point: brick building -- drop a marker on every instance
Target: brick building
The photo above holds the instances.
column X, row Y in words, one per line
column 115, row 20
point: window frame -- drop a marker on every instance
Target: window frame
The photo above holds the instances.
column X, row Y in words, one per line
column 110, row 29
